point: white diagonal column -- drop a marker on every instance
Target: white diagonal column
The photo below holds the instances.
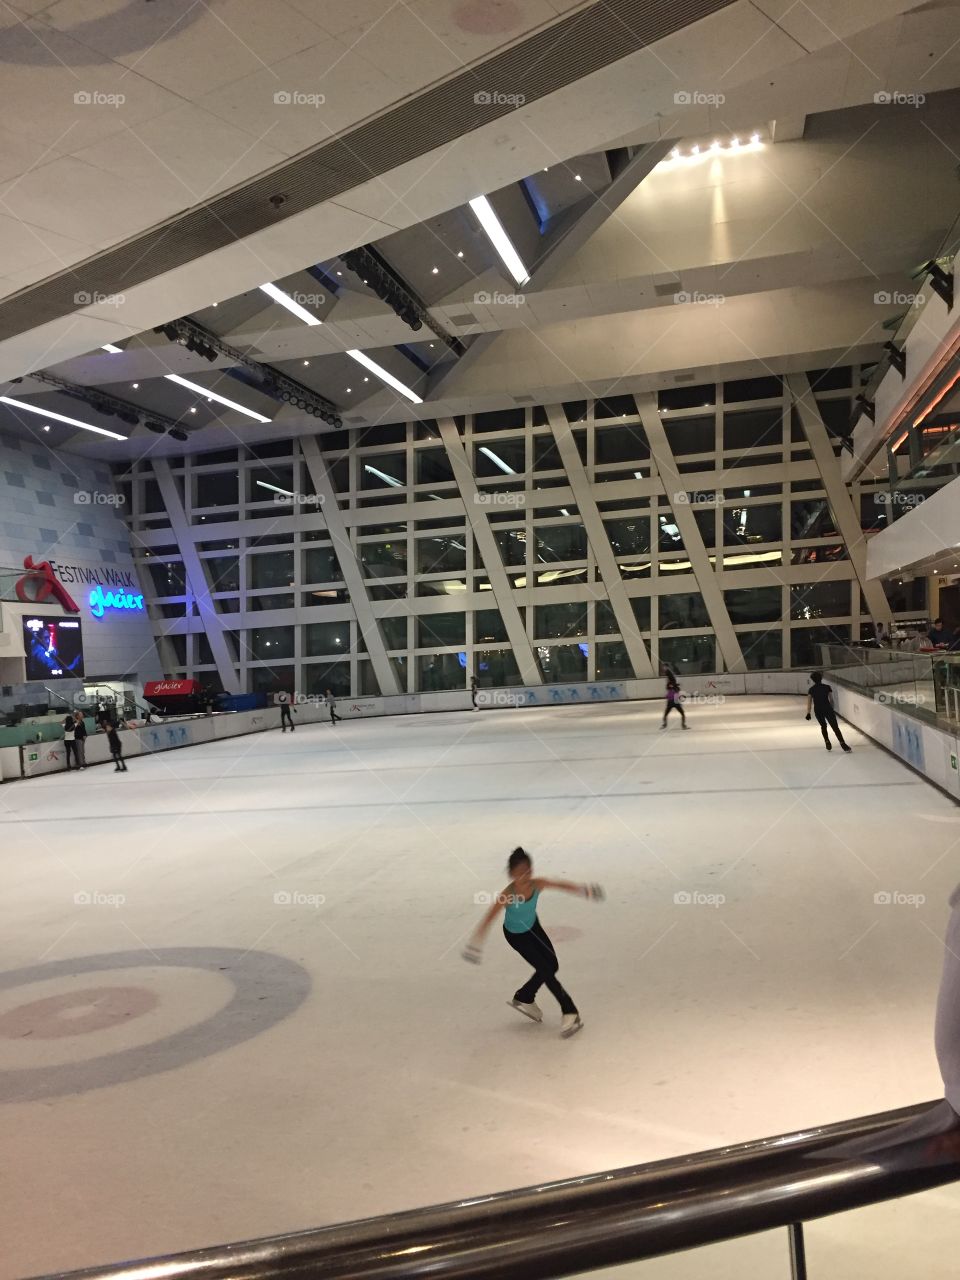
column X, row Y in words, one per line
column 479, row 525
column 349, row 566
column 599, row 542
column 686, row 522
column 838, row 495
column 196, row 576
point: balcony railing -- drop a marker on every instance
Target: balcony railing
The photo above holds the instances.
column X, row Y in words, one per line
column 607, row 1219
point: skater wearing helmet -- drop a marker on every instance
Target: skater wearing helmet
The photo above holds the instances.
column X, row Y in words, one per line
column 524, row 932
column 673, row 699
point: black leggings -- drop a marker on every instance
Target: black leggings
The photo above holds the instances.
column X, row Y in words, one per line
column 829, row 717
column 537, row 949
column 72, row 753
column 673, row 706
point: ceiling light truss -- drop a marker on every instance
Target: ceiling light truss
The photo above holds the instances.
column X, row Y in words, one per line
column 112, row 406
column 273, row 383
column 377, row 274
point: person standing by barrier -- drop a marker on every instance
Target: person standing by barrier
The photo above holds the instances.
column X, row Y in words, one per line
column 116, row 746
column 820, row 699
column 473, row 692
column 332, row 704
column 80, row 739
column 70, row 741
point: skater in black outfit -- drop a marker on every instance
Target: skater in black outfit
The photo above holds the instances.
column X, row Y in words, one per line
column 673, row 699
column 524, row 932
column 80, row 738
column 116, row 746
column 70, row 741
column 285, row 716
column 473, row 692
column 820, row 698
column 332, row 704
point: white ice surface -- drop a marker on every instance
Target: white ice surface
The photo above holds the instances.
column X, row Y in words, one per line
column 403, row 1079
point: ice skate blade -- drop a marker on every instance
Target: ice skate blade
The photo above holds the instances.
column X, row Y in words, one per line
column 532, row 1016
column 572, row 1031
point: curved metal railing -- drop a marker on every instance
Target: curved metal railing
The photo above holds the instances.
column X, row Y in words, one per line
column 606, row 1219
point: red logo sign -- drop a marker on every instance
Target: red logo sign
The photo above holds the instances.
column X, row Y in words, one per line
column 167, row 688
column 44, row 584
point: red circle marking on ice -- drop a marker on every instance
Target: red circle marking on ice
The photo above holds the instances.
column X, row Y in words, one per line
column 76, row 1013
column 487, row 17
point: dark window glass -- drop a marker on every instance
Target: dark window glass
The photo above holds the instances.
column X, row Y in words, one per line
column 318, row 677
column 275, row 600
column 562, row 663
column 613, row 662
column 554, row 621
column 691, row 435
column 263, row 482
column 496, row 668
column 215, row 456
column 433, row 466
column 488, row 627
column 605, row 619
column 223, row 573
column 684, row 610
column 762, row 650
column 754, row 604
column 620, row 444
column 805, row 644
column 320, row 565
column 576, row 410
column 830, row 379
column 382, row 433
column 753, row 429
column 811, row 518
column 441, row 629
column 686, row 397
column 218, row 489
column 382, row 470
column 326, row 637
column 384, row 559
column 438, row 671
column 629, row 535
column 819, row 600
column 441, row 555
column 394, row 632
column 688, row 655
column 615, row 407
column 641, row 612
column 836, row 416
column 272, row 679
column 270, row 569
column 500, row 420
column 752, row 389
column 743, row 525
column 546, row 455
column 706, row 518
column 561, row 542
column 267, row 643
column 906, row 597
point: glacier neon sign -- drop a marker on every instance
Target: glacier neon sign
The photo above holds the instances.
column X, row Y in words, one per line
column 101, row 600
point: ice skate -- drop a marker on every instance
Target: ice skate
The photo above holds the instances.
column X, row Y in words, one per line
column 531, row 1011
column 571, row 1024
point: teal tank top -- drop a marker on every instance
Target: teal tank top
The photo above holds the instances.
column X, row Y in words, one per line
column 520, row 917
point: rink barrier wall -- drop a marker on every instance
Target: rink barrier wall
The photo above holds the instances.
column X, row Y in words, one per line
column 35, row 759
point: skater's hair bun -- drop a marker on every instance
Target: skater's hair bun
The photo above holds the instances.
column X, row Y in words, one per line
column 519, row 855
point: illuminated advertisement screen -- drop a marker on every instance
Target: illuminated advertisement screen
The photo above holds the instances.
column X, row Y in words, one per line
column 53, row 647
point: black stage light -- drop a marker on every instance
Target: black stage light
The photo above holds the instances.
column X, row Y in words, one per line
column 177, row 433
column 156, row 427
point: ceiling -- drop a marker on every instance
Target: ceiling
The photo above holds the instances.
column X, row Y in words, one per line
column 644, row 267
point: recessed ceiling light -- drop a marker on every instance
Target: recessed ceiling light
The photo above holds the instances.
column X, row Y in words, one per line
column 435, row 271
column 306, row 362
column 695, row 150
column 349, row 389
column 60, row 417
column 216, row 304
column 576, row 177
column 47, row 428
column 136, row 386
column 193, row 409
column 754, row 138
column 291, row 304
column 339, row 273
column 498, row 237
column 365, row 378
column 108, row 346
column 460, row 254
column 384, row 375
column 213, row 395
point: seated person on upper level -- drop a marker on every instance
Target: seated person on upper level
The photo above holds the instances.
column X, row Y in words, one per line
column 939, row 634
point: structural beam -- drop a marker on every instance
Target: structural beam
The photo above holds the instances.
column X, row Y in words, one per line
column 686, row 521
column 349, row 566
column 599, row 542
column 196, row 576
column 479, row 525
column 838, row 495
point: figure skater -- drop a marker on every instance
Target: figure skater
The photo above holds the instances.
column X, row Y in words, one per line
column 673, row 700
column 820, row 698
column 524, row 932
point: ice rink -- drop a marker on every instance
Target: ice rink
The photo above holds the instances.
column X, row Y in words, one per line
column 234, row 1004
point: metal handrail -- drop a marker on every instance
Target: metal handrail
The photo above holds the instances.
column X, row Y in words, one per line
column 606, row 1219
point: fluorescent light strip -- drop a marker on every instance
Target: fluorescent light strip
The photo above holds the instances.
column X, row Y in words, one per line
column 498, row 237
column 382, row 475
column 108, row 346
column 384, row 375
column 498, row 461
column 287, row 493
column 214, row 395
column 292, row 306
column 59, row 417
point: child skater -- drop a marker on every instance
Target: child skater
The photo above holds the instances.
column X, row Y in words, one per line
column 673, row 700
column 524, row 932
